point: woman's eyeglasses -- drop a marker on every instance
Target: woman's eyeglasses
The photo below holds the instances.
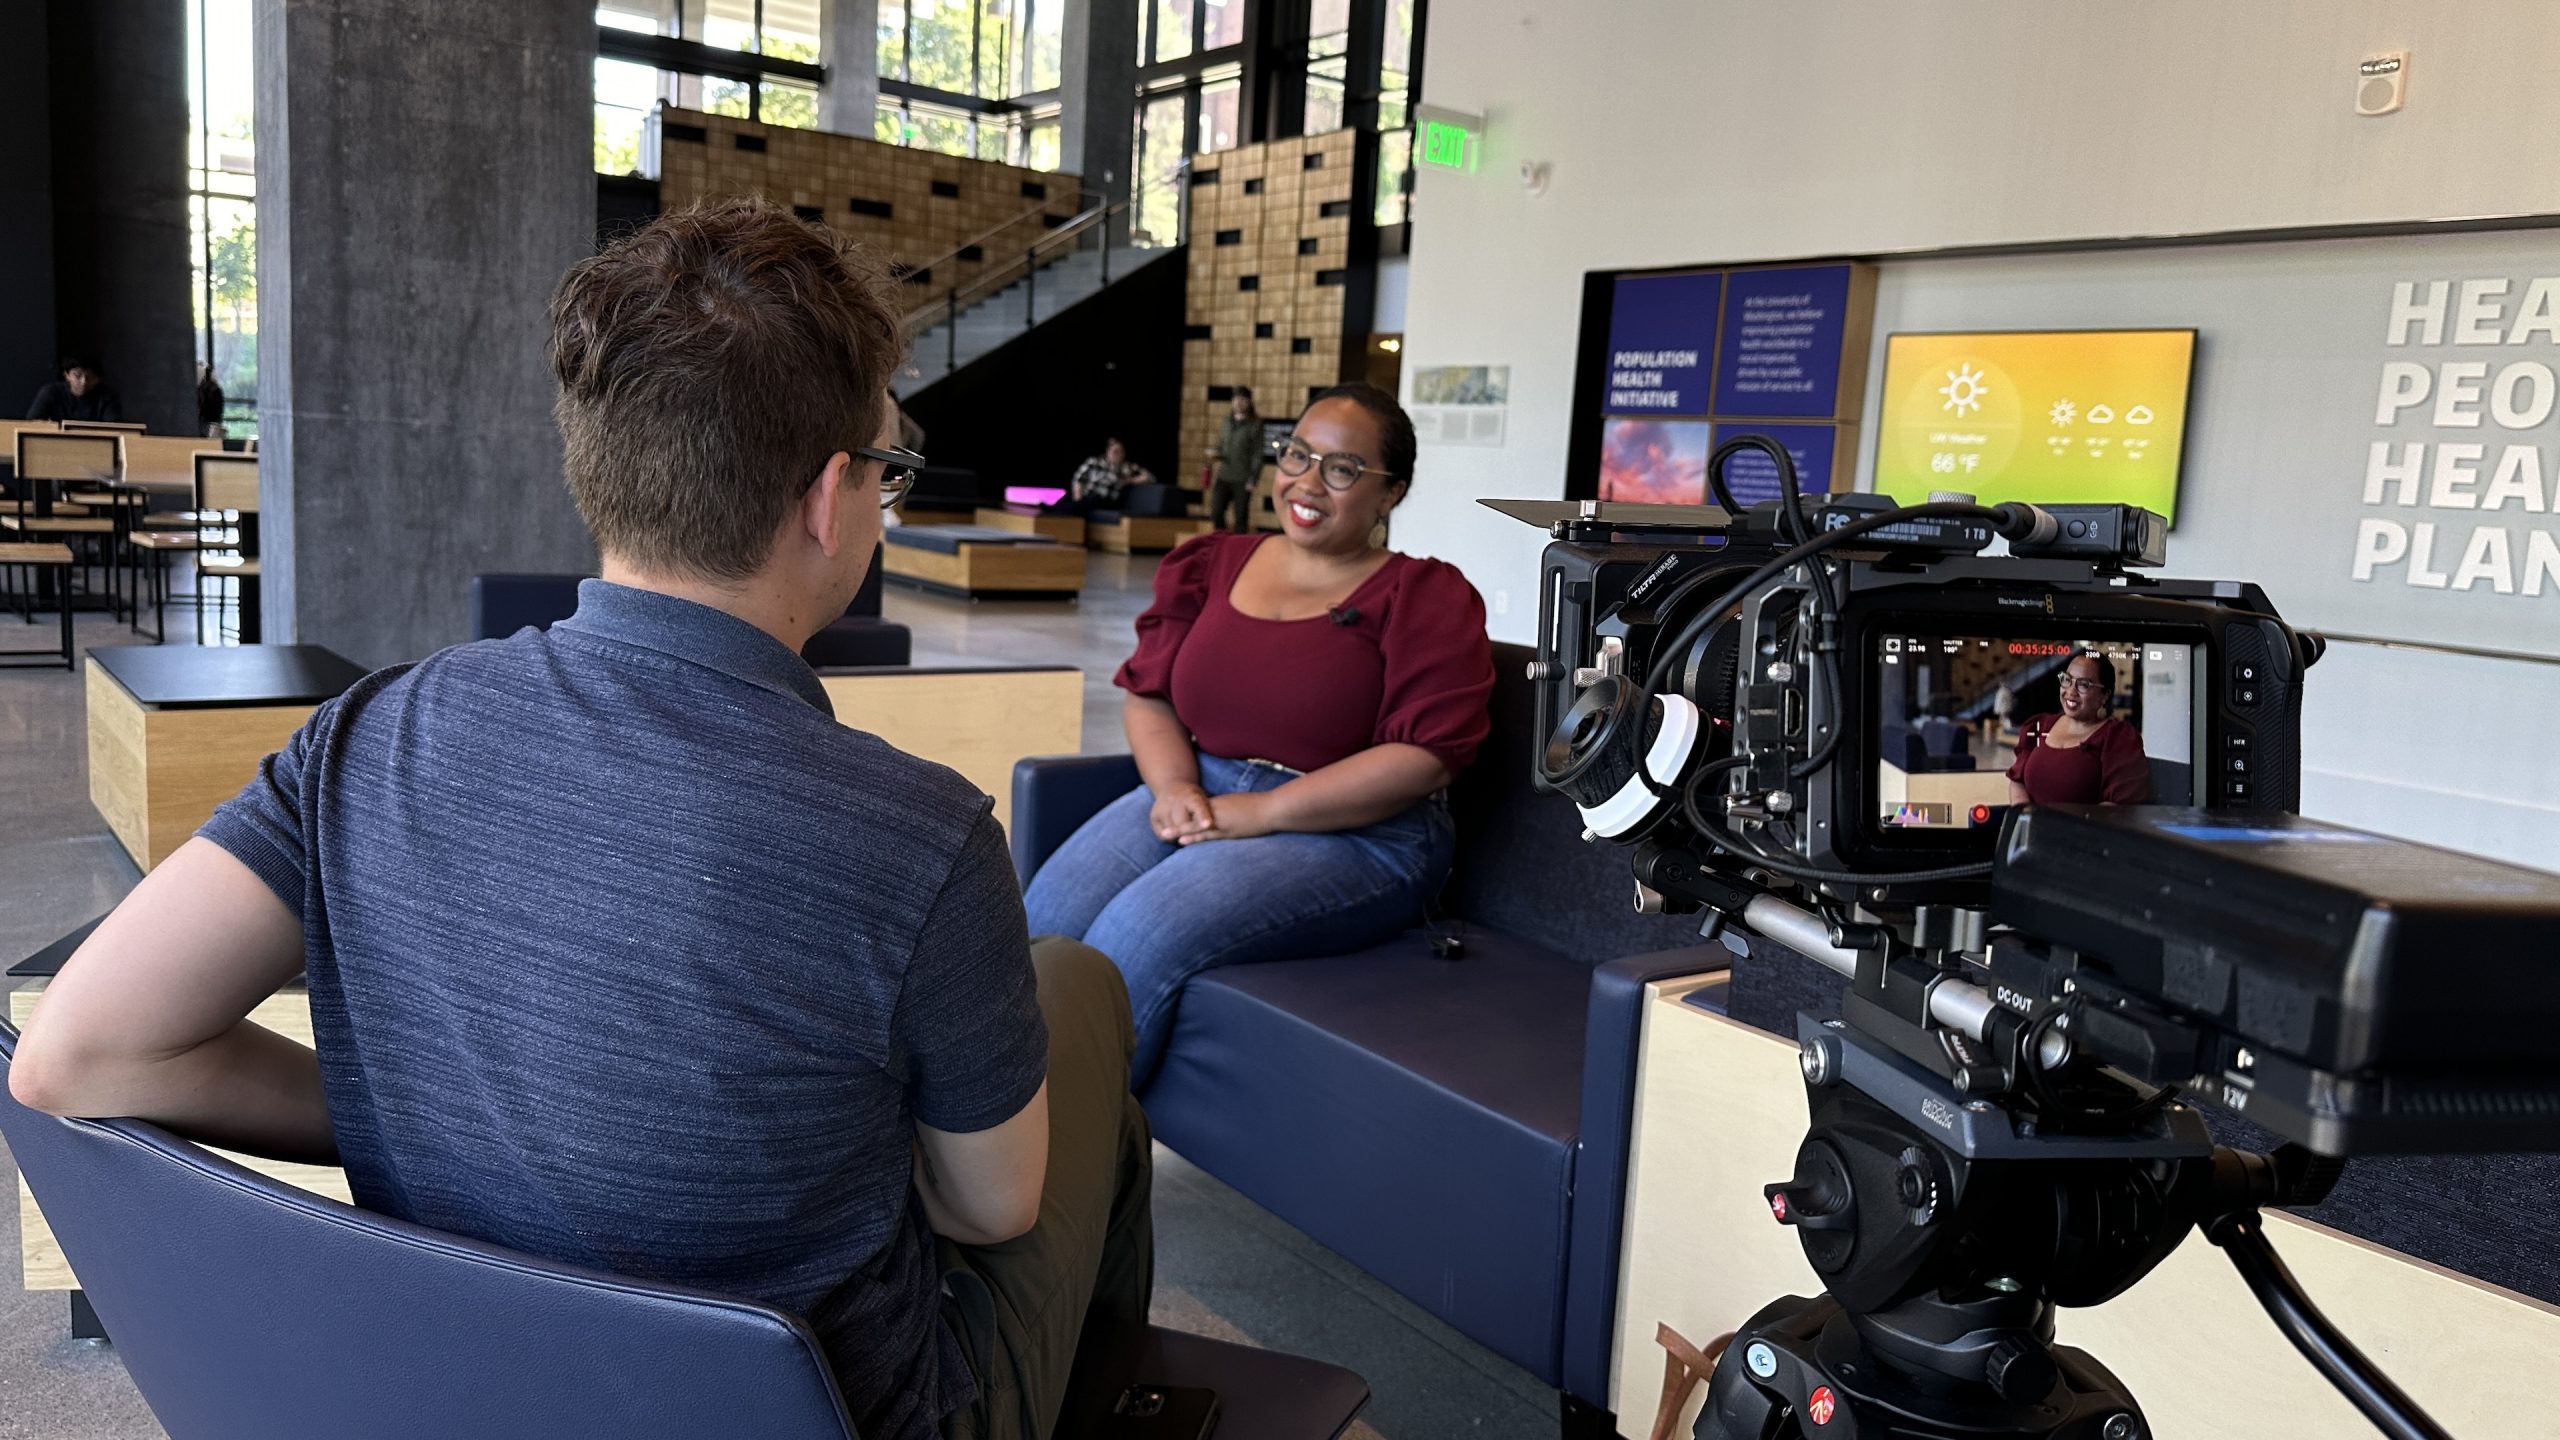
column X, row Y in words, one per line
column 1340, row 470
column 2074, row 682
column 898, row 469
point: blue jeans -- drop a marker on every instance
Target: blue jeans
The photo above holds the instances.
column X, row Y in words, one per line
column 1167, row 912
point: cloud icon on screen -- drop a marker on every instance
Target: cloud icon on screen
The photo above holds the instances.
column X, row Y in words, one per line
column 2138, row 415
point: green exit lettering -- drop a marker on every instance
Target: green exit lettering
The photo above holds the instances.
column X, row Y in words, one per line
column 1444, row 145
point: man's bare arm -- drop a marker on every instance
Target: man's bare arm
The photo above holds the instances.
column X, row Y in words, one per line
column 983, row 1188
column 148, row 1019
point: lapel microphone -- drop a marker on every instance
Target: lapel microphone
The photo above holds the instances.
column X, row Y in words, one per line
column 1342, row 615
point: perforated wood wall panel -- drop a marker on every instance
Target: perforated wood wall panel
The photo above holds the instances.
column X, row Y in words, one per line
column 1270, row 246
column 914, row 205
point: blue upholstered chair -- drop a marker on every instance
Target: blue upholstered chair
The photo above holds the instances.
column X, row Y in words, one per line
column 243, row 1307
column 1457, row 1128
column 501, row 605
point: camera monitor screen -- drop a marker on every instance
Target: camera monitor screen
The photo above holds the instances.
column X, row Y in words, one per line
column 2053, row 417
column 1958, row 717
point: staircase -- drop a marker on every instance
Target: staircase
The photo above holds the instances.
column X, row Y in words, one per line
column 988, row 321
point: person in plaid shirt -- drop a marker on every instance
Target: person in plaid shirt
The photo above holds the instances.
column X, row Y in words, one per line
column 1099, row 481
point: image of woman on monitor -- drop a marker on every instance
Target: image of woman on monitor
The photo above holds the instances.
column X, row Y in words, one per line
column 2086, row 755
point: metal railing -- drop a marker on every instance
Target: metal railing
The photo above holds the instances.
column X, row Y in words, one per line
column 1093, row 212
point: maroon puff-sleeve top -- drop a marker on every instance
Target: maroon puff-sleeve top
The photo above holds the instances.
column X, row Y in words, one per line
column 2107, row 767
column 1402, row 660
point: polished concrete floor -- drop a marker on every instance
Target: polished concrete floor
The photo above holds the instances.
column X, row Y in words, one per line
column 1224, row 1266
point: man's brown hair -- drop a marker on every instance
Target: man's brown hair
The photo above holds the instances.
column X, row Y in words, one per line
column 709, row 365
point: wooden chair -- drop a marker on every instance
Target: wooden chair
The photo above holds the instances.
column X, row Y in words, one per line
column 226, row 495
column 48, row 460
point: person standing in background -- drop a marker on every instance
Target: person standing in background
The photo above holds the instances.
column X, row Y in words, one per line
column 81, row 394
column 1239, row 452
column 209, row 399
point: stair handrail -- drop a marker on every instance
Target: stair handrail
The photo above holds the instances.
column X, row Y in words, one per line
column 967, row 293
column 953, row 255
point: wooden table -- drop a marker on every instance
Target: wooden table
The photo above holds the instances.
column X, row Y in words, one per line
column 176, row 730
column 1719, row 1112
column 977, row 721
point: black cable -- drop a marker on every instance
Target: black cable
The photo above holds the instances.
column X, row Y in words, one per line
column 2243, row 1237
column 1864, row 524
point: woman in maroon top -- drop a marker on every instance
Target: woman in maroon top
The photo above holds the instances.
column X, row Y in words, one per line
column 1296, row 705
column 2083, row 756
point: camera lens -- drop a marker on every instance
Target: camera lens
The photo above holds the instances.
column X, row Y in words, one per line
column 1620, row 753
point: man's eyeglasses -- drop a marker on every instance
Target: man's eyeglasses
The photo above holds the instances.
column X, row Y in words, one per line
column 1340, row 470
column 898, row 469
column 2074, row 682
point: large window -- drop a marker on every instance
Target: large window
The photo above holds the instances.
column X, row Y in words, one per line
column 972, row 77
column 630, row 85
column 982, row 49
column 1163, row 146
column 222, row 202
column 1395, row 115
column 1328, row 63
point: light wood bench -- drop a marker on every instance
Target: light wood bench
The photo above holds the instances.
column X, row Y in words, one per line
column 1031, row 520
column 974, row 562
column 1143, row 534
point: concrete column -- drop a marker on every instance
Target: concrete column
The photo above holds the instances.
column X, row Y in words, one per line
column 425, row 176
column 121, row 276
column 849, row 46
column 26, row 209
column 1098, row 94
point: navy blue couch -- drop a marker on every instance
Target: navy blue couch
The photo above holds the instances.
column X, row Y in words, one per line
column 1457, row 1128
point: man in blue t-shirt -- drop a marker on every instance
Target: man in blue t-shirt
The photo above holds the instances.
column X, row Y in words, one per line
column 621, row 950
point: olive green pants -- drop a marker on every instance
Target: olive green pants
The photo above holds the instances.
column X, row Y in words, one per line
column 1052, row 1320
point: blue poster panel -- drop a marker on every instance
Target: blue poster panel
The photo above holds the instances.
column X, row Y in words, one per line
column 1754, row 476
column 1778, row 353
column 1662, row 331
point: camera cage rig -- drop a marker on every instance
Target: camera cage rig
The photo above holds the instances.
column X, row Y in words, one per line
column 1997, row 1123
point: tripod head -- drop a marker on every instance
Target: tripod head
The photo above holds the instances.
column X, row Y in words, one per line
column 1991, row 1138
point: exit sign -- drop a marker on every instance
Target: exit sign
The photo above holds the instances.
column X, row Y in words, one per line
column 1446, row 140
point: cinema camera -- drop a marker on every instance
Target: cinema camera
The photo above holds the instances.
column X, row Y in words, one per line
column 1800, row 700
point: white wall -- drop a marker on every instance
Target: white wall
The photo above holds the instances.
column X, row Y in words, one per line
column 1706, row 131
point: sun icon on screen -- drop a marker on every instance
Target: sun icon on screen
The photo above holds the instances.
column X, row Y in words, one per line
column 2063, row 412
column 1964, row 389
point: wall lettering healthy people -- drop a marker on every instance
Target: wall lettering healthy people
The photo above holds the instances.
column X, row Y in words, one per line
column 2484, row 395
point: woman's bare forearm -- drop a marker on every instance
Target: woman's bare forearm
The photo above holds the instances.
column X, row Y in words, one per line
column 1377, row 784
column 1159, row 743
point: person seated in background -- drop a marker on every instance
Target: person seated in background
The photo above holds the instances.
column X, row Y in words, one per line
column 81, row 394
column 2085, row 755
column 588, row 970
column 1297, row 704
column 1099, row 481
